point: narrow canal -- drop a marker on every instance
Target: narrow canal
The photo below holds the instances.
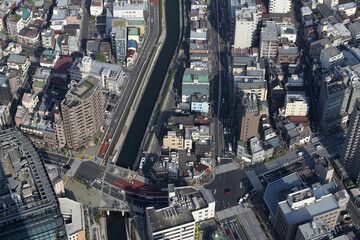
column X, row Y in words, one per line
column 115, row 223
column 138, row 127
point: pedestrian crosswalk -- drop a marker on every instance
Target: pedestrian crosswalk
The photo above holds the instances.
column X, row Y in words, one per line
column 225, row 168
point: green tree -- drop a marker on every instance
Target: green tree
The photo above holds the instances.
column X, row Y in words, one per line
column 92, row 18
column 101, row 58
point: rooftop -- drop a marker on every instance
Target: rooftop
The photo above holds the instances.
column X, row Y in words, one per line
column 73, row 215
column 25, row 187
column 331, row 51
column 17, row 59
column 185, row 201
column 277, row 191
column 315, row 229
column 81, row 91
column 269, row 33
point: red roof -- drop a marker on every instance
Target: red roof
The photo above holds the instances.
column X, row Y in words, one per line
column 201, row 167
column 39, row 22
column 96, row 3
column 57, row 80
column 58, row 31
column 298, row 119
column 62, row 65
column 130, row 53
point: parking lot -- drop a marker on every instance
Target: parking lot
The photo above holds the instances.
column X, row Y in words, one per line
column 235, row 182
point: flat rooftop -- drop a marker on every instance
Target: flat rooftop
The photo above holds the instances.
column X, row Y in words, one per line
column 22, row 177
column 186, row 200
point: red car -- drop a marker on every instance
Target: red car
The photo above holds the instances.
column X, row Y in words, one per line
column 228, row 232
column 227, row 191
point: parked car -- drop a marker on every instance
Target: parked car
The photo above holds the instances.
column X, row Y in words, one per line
column 300, row 154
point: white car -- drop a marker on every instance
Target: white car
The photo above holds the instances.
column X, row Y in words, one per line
column 240, row 201
column 300, row 154
column 246, row 196
column 121, row 191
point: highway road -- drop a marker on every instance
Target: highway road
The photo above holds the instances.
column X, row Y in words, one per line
column 128, row 95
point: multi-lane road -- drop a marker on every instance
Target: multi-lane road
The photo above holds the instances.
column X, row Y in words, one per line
column 135, row 79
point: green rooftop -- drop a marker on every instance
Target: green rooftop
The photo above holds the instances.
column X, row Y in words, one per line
column 24, row 13
column 135, row 22
column 176, row 129
column 83, row 88
column 187, row 78
column 203, row 79
column 134, row 31
column 15, row 18
column 39, row 84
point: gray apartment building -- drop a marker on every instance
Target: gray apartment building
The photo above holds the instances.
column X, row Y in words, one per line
column 29, row 208
column 269, row 40
column 332, row 104
column 83, row 112
column 350, row 156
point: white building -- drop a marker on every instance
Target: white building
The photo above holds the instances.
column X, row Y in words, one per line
column 96, row 8
column 289, row 32
column 188, row 206
column 18, row 62
column 129, row 10
column 279, row 6
column 296, row 104
column 246, row 22
column 269, row 40
column 257, row 151
column 74, row 216
column 48, row 38
column 330, row 57
column 331, row 3
column 112, row 76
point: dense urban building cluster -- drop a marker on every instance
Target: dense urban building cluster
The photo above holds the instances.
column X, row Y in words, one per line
column 254, row 133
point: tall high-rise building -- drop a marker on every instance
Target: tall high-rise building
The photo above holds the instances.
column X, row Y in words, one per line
column 5, row 91
column 332, row 104
column 83, row 112
column 247, row 20
column 29, row 208
column 279, row 6
column 350, row 156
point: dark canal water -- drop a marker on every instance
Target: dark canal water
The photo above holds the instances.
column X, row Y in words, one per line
column 116, row 226
column 138, row 127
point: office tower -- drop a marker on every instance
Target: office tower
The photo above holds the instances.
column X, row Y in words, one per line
column 350, row 156
column 269, row 40
column 332, row 104
column 29, row 208
column 83, row 112
column 247, row 20
column 279, row 6
column 119, row 38
column 5, row 91
column 249, row 117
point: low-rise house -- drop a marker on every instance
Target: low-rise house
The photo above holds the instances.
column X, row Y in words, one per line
column 61, row 68
column 41, row 79
column 330, row 57
column 96, row 7
column 173, row 141
column 49, row 58
column 29, row 36
column 26, row 15
column 19, row 62
column 354, row 28
column 14, row 25
column 48, row 38
column 324, row 170
column 134, row 34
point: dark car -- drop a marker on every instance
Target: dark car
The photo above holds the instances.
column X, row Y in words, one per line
column 227, row 191
column 66, row 166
